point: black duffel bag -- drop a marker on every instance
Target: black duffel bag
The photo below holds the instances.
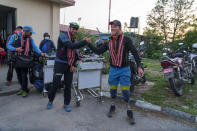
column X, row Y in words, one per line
column 22, row 61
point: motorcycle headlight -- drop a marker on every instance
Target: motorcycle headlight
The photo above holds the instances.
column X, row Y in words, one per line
column 164, row 54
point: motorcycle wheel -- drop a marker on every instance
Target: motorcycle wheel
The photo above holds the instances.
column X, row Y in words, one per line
column 177, row 87
column 132, row 84
column 194, row 66
column 144, row 79
column 195, row 70
column 132, row 88
column 192, row 81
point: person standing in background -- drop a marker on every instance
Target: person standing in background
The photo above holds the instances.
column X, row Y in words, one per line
column 17, row 30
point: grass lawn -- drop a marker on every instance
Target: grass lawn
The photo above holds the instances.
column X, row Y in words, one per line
column 161, row 94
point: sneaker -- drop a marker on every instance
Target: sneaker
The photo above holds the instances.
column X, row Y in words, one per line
column 130, row 117
column 9, row 83
column 49, row 105
column 67, row 108
column 112, row 111
column 24, row 94
column 20, row 92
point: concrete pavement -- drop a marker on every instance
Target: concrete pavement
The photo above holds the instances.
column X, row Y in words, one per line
column 17, row 113
column 30, row 114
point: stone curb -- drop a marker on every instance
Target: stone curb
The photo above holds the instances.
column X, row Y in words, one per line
column 149, row 106
column 179, row 114
column 196, row 119
column 8, row 90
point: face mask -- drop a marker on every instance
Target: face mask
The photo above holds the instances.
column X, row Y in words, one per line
column 46, row 38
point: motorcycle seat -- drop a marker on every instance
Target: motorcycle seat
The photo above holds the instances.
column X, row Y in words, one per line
column 176, row 55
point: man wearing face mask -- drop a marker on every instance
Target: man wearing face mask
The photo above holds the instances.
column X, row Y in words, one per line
column 23, row 46
column 65, row 63
column 119, row 47
column 47, row 45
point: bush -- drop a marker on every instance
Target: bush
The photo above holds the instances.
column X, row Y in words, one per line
column 154, row 51
column 157, row 54
column 190, row 37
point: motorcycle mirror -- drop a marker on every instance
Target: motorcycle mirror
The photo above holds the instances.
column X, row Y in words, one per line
column 165, row 48
column 141, row 43
column 180, row 44
column 164, row 54
column 194, row 46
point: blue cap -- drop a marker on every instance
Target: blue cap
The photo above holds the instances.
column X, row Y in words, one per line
column 29, row 28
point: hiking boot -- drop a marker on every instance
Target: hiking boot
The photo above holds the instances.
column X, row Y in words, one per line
column 112, row 110
column 130, row 117
column 49, row 105
column 24, row 94
column 19, row 92
column 67, row 108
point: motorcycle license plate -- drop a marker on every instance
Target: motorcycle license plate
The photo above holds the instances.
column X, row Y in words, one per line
column 168, row 70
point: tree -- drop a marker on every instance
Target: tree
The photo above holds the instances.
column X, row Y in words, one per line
column 181, row 10
column 193, row 23
column 190, row 37
column 158, row 20
column 126, row 28
column 82, row 33
column 153, row 46
column 170, row 18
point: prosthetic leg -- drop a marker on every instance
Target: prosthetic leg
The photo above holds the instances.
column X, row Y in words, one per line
column 126, row 96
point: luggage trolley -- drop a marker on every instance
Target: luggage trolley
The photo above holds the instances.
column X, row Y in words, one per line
column 88, row 76
column 48, row 71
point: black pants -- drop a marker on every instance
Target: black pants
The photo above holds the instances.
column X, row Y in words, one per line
column 59, row 70
column 10, row 72
column 22, row 78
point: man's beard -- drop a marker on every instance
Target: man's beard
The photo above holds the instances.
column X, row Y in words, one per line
column 26, row 36
column 73, row 34
column 117, row 33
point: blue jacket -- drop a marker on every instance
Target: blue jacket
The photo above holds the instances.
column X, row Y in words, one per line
column 47, row 46
column 13, row 47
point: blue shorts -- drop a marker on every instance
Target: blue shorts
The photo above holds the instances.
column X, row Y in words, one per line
column 120, row 75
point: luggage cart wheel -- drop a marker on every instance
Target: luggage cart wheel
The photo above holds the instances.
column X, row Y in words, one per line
column 44, row 94
column 100, row 99
column 78, row 103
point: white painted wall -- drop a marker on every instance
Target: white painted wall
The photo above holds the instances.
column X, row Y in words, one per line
column 43, row 16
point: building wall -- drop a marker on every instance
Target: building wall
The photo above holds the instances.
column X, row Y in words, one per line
column 42, row 15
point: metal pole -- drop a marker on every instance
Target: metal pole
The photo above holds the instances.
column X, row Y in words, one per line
column 139, row 25
column 109, row 15
column 64, row 16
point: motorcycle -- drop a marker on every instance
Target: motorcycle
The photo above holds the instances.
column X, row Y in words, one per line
column 177, row 70
column 135, row 78
column 193, row 57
